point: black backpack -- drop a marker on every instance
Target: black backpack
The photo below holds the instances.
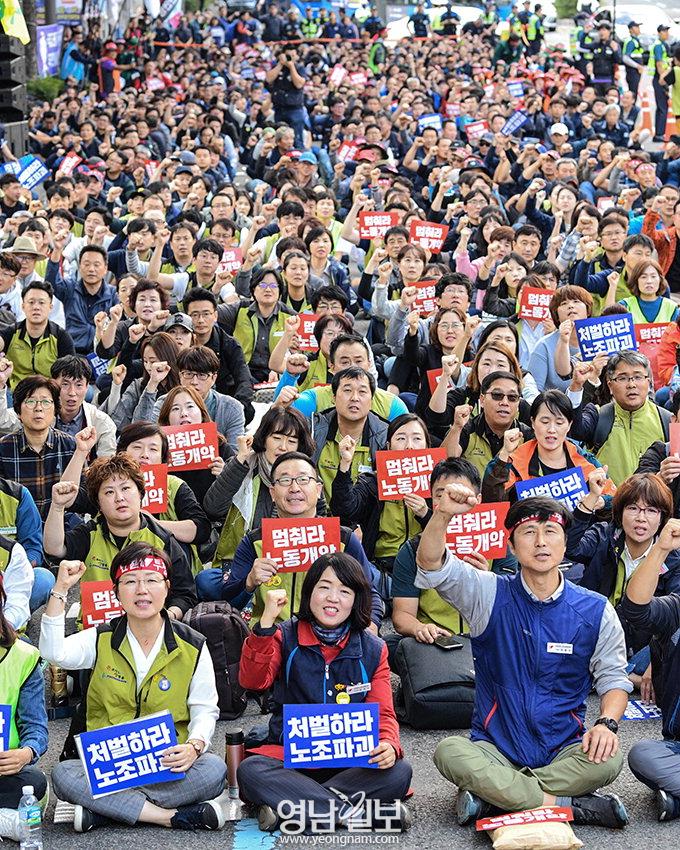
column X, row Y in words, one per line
column 224, row 631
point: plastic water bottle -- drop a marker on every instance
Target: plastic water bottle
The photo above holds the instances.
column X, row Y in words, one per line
column 30, row 818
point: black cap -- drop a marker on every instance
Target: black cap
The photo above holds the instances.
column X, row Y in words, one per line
column 662, row 28
column 634, row 24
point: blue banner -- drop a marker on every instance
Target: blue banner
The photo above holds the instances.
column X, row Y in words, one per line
column 49, row 49
column 340, row 735
column 514, row 122
column 5, row 723
column 516, row 88
column 29, row 170
column 638, row 710
column 568, row 486
column 100, row 366
column 127, row 755
column 605, row 335
column 433, row 120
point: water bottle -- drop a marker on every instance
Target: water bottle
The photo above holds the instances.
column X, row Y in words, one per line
column 30, row 818
column 235, row 751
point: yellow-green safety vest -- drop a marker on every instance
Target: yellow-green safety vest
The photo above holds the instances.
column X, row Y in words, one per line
column 246, row 331
column 174, row 483
column 234, row 529
column 665, row 60
column 665, row 314
column 381, row 404
column 317, row 374
column 16, row 664
column 29, row 359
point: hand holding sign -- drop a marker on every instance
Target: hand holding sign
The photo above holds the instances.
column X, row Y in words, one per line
column 416, row 504
column 274, row 603
column 383, row 756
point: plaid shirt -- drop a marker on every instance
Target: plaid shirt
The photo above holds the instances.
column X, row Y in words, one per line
column 37, row 471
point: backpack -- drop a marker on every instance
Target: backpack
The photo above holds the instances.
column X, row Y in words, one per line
column 605, row 423
column 437, row 689
column 224, row 631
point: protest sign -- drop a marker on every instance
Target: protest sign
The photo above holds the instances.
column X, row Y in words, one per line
column 192, row 446
column 150, row 167
column 98, row 603
column 358, row 78
column 546, row 814
column 68, row 164
column 232, row 260
column 374, row 225
column 5, row 725
column 405, row 473
column 297, row 542
column 534, row 303
column 337, row 75
column 29, row 170
column 433, row 376
column 305, row 333
column 515, row 121
column 567, row 486
column 124, row 756
column 335, row 735
column 452, row 110
column 432, row 120
column 48, row 51
column 481, row 530
column 638, row 710
column 348, row 151
column 474, row 130
column 674, row 434
column 425, row 303
column 155, row 499
column 605, row 335
column 648, row 338
column 606, row 203
column 428, row 234
column 99, row 365
column 515, row 88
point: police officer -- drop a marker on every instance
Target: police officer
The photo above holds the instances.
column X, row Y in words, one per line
column 632, row 57
column 658, row 65
column 448, row 22
column 420, row 22
column 532, row 29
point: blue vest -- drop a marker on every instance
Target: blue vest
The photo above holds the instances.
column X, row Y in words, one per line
column 305, row 678
column 531, row 703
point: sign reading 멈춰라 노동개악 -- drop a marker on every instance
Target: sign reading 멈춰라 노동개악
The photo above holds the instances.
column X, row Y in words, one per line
column 405, row 473
column 156, row 488
column 296, row 543
column 341, row 734
column 128, row 755
column 481, row 529
column 98, row 603
column 191, row 446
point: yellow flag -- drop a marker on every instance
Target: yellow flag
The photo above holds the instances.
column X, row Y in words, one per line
column 12, row 20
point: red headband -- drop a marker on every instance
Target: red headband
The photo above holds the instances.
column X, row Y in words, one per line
column 558, row 518
column 150, row 562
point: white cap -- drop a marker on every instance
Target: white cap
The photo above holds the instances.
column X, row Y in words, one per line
column 559, row 128
column 26, row 790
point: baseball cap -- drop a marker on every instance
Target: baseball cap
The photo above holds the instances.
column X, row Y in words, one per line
column 634, row 24
column 183, row 169
column 662, row 28
column 308, row 156
column 187, row 158
column 179, row 320
column 559, row 128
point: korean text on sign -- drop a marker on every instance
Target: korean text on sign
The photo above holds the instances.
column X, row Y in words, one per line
column 305, row 332
column 127, row 755
column 534, row 303
column 428, row 234
column 433, row 378
column 192, row 446
column 475, row 130
column 155, row 499
column 605, row 335
column 374, row 225
column 5, row 724
column 546, row 814
column 98, row 603
column 567, row 486
column 232, row 260
column 296, row 543
column 636, row 709
column 425, row 303
column 405, row 473
column 481, row 529
column 341, row 735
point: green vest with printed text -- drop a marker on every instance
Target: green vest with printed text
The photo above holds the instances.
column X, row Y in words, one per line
column 31, row 359
column 246, row 331
column 380, row 405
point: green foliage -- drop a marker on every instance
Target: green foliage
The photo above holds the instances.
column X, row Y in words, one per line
column 45, row 88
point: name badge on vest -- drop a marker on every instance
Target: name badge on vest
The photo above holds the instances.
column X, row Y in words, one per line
column 362, row 688
column 365, row 467
column 561, row 648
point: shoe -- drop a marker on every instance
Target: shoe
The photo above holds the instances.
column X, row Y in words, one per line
column 207, row 815
column 405, row 817
column 470, row 808
column 10, row 825
column 658, row 139
column 599, row 810
column 267, row 819
column 85, row 820
column 667, row 805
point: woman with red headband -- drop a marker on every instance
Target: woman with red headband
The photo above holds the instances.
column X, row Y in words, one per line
column 150, row 653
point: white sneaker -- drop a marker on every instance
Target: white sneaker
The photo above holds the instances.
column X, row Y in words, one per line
column 10, row 825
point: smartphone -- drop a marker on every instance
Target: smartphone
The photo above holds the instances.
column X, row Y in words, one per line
column 448, row 642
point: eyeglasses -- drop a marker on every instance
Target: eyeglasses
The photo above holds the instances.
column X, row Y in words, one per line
column 627, row 379
column 638, row 510
column 497, row 395
column 152, row 582
column 194, row 376
column 450, row 326
column 31, row 403
column 203, row 314
column 268, row 285
column 300, row 480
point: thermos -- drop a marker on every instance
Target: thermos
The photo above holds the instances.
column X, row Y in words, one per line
column 234, row 752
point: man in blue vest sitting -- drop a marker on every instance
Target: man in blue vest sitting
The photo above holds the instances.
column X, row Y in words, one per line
column 528, row 745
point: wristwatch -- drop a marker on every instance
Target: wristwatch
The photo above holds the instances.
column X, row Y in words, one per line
column 199, row 746
column 612, row 725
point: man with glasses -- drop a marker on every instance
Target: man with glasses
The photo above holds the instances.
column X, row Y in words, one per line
column 233, row 375
column 296, row 492
column 620, row 432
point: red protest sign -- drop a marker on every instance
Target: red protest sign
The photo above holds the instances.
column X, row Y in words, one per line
column 150, row 167
column 231, row 261
column 68, row 164
column 403, row 473
column 424, row 302
column 648, row 337
column 155, row 500
column 429, row 234
column 451, row 110
column 347, row 151
column 374, row 225
column 534, row 303
column 337, row 75
column 192, row 446
column 296, row 543
column 305, row 332
column 479, row 530
column 674, row 434
column 358, row 78
column 433, row 378
column 547, row 814
column 475, row 130
column 98, row 603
